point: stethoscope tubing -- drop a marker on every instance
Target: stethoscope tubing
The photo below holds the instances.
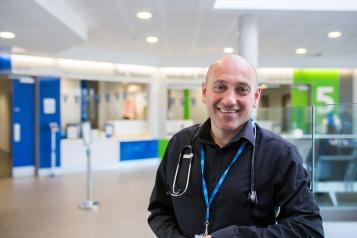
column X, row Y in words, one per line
column 178, row 193
column 252, row 196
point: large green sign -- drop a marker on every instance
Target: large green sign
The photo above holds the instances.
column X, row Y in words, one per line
column 318, row 87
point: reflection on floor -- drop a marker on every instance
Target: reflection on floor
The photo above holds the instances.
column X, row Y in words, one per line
column 5, row 164
column 48, row 207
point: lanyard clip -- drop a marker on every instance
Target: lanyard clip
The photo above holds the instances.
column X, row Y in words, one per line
column 206, row 228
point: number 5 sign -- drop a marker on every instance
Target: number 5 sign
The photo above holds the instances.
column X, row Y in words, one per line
column 324, row 96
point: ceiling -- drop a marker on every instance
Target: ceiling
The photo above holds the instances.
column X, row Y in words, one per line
column 191, row 33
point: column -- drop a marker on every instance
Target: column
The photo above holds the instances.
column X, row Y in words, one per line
column 157, row 106
column 248, row 38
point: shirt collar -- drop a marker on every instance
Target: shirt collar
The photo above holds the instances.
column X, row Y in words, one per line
column 246, row 132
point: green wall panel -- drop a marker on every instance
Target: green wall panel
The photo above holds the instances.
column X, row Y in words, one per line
column 186, row 104
column 318, row 87
column 162, row 147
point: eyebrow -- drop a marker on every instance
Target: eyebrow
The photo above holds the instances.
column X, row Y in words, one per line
column 225, row 82
column 219, row 81
column 244, row 84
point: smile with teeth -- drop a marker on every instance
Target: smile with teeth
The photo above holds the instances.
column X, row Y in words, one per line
column 227, row 110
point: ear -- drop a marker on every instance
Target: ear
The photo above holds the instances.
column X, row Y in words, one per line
column 257, row 94
column 204, row 92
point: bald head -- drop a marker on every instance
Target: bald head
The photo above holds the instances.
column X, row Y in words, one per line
column 231, row 94
column 230, row 63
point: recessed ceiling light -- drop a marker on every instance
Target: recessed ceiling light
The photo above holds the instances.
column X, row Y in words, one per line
column 144, row 15
column 7, row 35
column 228, row 50
column 152, row 39
column 301, row 51
column 334, row 34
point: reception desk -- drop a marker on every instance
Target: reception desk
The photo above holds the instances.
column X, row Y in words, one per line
column 128, row 143
column 107, row 153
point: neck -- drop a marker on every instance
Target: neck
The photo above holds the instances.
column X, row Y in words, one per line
column 222, row 138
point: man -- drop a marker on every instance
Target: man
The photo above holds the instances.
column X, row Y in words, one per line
column 224, row 197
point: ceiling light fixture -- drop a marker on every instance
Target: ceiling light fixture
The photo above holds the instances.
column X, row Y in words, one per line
column 152, row 39
column 301, row 51
column 334, row 34
column 301, row 5
column 7, row 35
column 228, row 50
column 144, row 15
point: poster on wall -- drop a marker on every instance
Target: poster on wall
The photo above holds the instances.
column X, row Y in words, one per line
column 49, row 106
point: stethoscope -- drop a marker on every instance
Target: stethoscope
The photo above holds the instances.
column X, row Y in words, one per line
column 187, row 155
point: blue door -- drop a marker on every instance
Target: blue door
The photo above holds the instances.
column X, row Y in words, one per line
column 49, row 113
column 23, row 136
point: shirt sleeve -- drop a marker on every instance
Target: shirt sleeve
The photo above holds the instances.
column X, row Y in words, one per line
column 162, row 218
column 299, row 215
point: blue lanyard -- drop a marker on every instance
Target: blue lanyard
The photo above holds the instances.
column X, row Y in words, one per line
column 208, row 201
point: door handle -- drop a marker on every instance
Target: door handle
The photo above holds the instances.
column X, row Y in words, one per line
column 17, row 132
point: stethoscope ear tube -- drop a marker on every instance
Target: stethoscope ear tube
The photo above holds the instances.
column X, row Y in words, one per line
column 186, row 154
column 252, row 196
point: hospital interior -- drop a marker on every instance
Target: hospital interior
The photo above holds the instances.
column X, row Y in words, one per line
column 91, row 91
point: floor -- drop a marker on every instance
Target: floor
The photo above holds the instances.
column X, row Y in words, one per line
column 48, row 207
column 5, row 164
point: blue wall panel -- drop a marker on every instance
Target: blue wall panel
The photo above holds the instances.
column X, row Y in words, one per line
column 5, row 63
column 49, row 89
column 84, row 102
column 23, row 117
column 132, row 150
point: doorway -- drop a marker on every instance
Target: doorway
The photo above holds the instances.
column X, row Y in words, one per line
column 5, row 118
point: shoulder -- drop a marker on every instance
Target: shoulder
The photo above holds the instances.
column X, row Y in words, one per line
column 186, row 133
column 278, row 154
column 181, row 139
column 273, row 139
column 176, row 144
column 274, row 144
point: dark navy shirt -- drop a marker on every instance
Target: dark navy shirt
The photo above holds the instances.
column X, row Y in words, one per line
column 281, row 183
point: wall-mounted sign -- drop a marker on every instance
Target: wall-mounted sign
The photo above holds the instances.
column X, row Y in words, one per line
column 49, row 106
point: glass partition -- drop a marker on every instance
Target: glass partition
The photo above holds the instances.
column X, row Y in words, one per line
column 335, row 155
column 293, row 124
column 326, row 137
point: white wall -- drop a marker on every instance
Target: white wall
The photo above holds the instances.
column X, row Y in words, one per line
column 175, row 111
column 113, row 106
column 198, row 111
column 139, row 94
column 70, row 102
column 274, row 111
column 109, row 110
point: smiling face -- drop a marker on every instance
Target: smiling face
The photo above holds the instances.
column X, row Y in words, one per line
column 230, row 94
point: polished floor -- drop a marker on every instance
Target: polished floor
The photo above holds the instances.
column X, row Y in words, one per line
column 48, row 207
column 5, row 164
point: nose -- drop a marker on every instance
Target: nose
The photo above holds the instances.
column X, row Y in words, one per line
column 229, row 99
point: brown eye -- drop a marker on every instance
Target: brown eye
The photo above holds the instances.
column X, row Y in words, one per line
column 219, row 87
column 243, row 91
